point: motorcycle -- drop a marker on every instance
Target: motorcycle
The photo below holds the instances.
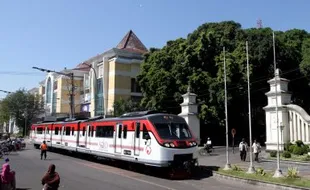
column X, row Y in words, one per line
column 207, row 149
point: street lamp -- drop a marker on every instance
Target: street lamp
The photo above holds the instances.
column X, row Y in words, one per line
column 227, row 166
column 278, row 172
column 251, row 168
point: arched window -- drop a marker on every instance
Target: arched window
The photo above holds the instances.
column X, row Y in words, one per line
column 48, row 90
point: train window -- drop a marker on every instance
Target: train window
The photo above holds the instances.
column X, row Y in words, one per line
column 92, row 131
column 145, row 133
column 68, row 130
column 137, row 130
column 72, row 131
column 125, row 132
column 89, row 130
column 83, row 131
column 119, row 131
column 56, row 130
column 104, row 131
column 47, row 130
column 39, row 130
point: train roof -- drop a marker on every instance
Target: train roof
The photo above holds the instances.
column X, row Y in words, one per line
column 127, row 116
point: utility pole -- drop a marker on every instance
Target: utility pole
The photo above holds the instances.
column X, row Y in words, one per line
column 71, row 92
column 227, row 166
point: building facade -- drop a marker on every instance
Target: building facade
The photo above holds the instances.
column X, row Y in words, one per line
column 113, row 75
column 98, row 81
column 55, row 91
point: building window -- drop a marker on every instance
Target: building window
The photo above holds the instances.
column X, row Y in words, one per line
column 48, row 90
column 99, row 97
column 54, row 103
column 135, row 86
column 55, row 85
column 86, row 82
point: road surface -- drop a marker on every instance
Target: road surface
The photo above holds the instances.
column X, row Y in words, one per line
column 80, row 174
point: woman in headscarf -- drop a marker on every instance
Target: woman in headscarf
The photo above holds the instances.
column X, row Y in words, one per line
column 7, row 177
column 51, row 179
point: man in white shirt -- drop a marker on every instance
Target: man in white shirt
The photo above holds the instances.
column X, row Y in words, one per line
column 243, row 146
column 256, row 149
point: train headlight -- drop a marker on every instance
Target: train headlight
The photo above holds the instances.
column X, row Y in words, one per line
column 166, row 144
column 172, row 145
column 194, row 143
column 190, row 144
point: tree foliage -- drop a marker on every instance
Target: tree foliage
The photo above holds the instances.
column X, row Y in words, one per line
column 21, row 106
column 122, row 106
column 198, row 61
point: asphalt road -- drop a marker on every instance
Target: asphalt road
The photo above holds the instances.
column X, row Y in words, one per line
column 218, row 158
column 80, row 174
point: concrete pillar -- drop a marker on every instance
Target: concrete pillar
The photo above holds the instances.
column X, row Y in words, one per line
column 283, row 97
column 190, row 113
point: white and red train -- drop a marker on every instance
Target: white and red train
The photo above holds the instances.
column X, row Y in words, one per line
column 148, row 138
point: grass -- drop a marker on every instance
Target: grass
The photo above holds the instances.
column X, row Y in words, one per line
column 299, row 182
column 297, row 158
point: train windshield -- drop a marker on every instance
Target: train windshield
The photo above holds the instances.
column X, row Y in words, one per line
column 171, row 127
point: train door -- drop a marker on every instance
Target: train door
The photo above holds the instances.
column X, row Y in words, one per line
column 137, row 139
column 87, row 136
column 62, row 132
column 118, row 138
column 44, row 132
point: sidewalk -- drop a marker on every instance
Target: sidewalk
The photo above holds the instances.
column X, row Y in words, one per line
column 218, row 158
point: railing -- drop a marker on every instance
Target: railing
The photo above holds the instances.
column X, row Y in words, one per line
column 299, row 124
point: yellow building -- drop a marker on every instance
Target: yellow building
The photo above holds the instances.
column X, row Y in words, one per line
column 113, row 74
column 56, row 90
column 99, row 81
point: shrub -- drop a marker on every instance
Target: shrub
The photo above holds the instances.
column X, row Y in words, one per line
column 298, row 150
column 273, row 153
column 236, row 168
column 306, row 158
column 291, row 148
column 260, row 171
column 292, row 172
column 305, row 149
column 287, row 146
column 286, row 154
column 299, row 143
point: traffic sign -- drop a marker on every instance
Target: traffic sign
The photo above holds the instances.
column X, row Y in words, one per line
column 233, row 132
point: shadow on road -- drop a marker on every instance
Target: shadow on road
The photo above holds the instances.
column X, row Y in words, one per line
column 23, row 188
column 199, row 173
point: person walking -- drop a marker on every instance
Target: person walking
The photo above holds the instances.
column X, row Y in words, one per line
column 51, row 179
column 243, row 149
column 256, row 149
column 43, row 148
column 8, row 181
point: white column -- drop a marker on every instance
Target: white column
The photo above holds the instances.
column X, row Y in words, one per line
column 295, row 126
column 291, row 126
column 307, row 133
column 298, row 128
column 302, row 130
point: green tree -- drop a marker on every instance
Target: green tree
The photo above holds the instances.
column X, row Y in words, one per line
column 198, row 60
column 21, row 106
column 122, row 106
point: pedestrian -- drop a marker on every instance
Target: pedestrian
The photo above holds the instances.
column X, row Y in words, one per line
column 7, row 177
column 43, row 148
column 243, row 149
column 256, row 149
column 51, row 179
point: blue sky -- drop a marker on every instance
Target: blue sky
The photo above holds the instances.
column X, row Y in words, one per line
column 55, row 34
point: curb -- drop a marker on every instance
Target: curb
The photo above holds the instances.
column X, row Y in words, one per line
column 288, row 162
column 257, row 182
